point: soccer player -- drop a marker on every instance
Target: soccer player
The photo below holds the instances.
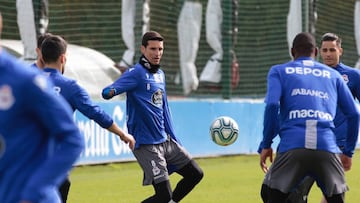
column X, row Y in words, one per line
column 331, row 52
column 301, row 102
column 39, row 141
column 53, row 52
column 157, row 149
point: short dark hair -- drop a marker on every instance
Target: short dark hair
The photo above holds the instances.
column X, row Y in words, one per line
column 304, row 44
column 151, row 35
column 41, row 38
column 52, row 48
column 331, row 37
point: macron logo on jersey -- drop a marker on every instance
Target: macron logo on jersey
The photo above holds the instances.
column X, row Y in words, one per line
column 307, row 71
column 309, row 113
column 158, row 78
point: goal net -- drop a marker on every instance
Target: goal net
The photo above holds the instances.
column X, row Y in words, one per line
column 213, row 48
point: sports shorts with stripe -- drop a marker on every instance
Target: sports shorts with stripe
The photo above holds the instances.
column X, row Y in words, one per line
column 291, row 167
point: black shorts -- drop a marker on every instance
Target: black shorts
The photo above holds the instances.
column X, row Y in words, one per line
column 290, row 168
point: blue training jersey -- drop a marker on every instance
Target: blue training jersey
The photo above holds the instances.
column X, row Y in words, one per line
column 78, row 98
column 306, row 94
column 148, row 115
column 39, row 141
column 351, row 77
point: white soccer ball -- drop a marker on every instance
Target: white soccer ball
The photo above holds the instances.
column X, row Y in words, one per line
column 224, row 130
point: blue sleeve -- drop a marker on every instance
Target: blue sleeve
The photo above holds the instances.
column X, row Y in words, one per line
column 55, row 114
column 169, row 130
column 348, row 107
column 82, row 102
column 168, row 120
column 274, row 87
column 271, row 113
column 356, row 91
column 271, row 126
column 127, row 81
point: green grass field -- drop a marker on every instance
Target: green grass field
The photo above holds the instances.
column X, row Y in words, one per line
column 230, row 179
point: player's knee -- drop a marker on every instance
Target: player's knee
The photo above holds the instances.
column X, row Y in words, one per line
column 199, row 174
column 194, row 172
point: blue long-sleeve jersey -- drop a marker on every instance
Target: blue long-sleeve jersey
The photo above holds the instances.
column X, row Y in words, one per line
column 78, row 98
column 39, row 141
column 148, row 115
column 301, row 99
column 351, row 77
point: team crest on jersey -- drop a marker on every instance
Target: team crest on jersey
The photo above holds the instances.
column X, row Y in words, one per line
column 157, row 98
column 346, row 78
column 6, row 97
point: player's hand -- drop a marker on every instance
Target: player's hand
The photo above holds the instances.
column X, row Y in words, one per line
column 108, row 93
column 128, row 139
column 346, row 162
column 265, row 153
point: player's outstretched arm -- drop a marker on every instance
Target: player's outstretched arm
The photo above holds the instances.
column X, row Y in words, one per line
column 127, row 138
